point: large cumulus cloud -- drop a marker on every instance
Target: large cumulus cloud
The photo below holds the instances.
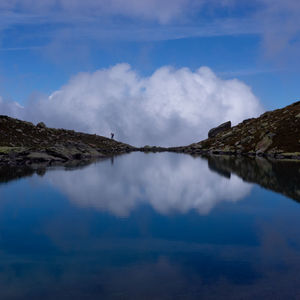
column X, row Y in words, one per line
column 170, row 107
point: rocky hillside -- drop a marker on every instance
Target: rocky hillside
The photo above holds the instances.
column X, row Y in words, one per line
column 23, row 142
column 275, row 134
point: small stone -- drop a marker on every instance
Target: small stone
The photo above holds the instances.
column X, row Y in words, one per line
column 41, row 125
column 227, row 134
column 264, row 144
column 297, row 116
column 37, row 156
column 271, row 134
column 246, row 139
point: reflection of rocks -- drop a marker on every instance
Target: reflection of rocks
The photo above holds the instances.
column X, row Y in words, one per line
column 280, row 176
column 213, row 167
column 12, row 172
column 8, row 173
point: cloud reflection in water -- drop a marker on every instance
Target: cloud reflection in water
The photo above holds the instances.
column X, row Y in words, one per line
column 169, row 183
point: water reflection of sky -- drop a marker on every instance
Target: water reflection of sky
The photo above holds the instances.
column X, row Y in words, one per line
column 54, row 246
column 169, row 183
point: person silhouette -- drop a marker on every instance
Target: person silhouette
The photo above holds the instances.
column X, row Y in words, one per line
column 112, row 135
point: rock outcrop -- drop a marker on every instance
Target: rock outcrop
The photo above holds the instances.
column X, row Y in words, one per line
column 274, row 134
column 221, row 128
column 23, row 143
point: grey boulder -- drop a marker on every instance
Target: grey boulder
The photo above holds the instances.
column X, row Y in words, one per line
column 223, row 127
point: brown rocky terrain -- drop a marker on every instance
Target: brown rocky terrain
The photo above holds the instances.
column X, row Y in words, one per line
column 24, row 143
column 274, row 134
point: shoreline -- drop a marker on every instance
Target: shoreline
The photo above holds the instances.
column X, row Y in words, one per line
column 28, row 157
column 204, row 152
column 274, row 134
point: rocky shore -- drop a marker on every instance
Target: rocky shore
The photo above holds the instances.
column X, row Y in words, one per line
column 23, row 143
column 275, row 134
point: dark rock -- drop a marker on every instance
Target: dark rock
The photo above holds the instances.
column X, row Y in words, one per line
column 223, row 127
column 247, row 120
column 40, row 157
column 264, row 144
column 41, row 125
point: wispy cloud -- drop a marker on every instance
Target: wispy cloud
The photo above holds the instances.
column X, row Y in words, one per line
column 21, row 48
column 161, row 11
column 281, row 28
column 247, row 72
column 276, row 21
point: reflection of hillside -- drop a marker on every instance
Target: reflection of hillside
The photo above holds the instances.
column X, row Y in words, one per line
column 279, row 176
column 9, row 173
column 176, row 184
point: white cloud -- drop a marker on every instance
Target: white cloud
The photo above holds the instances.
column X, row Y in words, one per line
column 171, row 107
column 169, row 183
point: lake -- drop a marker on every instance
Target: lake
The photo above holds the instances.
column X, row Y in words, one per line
column 151, row 226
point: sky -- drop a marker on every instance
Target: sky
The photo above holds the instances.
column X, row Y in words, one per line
column 153, row 72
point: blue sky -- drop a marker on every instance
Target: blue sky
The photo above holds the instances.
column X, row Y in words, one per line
column 43, row 45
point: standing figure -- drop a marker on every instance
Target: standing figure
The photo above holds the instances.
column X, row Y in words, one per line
column 112, row 135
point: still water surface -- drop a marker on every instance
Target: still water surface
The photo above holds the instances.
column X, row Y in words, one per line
column 152, row 226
